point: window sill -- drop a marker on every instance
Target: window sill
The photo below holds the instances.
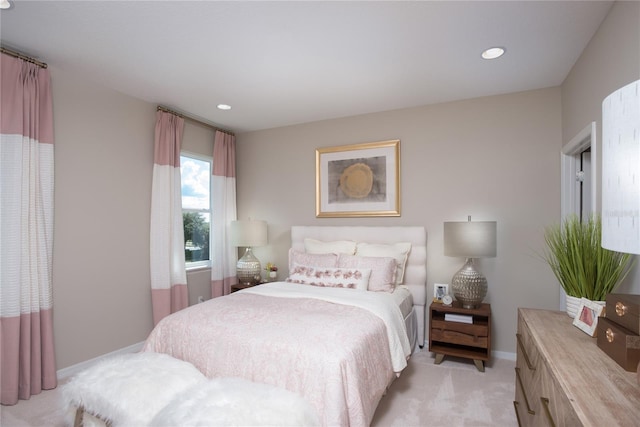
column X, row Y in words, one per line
column 196, row 268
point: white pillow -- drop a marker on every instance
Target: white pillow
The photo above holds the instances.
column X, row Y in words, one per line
column 383, row 270
column 303, row 258
column 399, row 251
column 313, row 246
column 349, row 278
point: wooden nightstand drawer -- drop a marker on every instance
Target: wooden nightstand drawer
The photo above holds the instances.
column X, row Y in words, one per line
column 466, row 336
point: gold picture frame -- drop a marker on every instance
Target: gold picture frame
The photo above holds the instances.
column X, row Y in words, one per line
column 358, row 180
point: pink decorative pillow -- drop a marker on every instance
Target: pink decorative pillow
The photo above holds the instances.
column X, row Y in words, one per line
column 350, row 278
column 383, row 270
column 318, row 260
column 399, row 251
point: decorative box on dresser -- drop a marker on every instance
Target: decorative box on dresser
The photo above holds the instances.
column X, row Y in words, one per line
column 564, row 379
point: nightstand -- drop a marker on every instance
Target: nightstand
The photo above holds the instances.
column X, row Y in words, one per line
column 240, row 286
column 468, row 340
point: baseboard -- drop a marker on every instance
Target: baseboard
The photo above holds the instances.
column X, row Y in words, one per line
column 504, row 355
column 74, row 369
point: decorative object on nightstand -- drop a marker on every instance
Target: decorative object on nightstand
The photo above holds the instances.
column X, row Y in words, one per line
column 272, row 272
column 440, row 290
column 248, row 234
column 469, row 240
column 447, row 300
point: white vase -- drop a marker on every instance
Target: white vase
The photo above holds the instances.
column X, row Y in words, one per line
column 273, row 275
column 573, row 304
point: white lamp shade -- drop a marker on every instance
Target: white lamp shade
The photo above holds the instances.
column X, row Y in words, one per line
column 249, row 233
column 621, row 170
column 470, row 239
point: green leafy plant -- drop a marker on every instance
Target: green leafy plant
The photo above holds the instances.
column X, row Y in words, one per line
column 581, row 265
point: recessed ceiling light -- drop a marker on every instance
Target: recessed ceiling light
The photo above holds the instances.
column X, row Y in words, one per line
column 493, row 53
column 224, row 107
column 4, row 4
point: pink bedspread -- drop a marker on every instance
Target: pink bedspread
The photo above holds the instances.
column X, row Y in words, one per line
column 336, row 356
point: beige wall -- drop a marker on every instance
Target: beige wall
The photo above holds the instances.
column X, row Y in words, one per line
column 610, row 61
column 494, row 158
column 103, row 167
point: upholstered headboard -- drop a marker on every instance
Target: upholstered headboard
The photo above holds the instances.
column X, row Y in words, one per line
column 415, row 276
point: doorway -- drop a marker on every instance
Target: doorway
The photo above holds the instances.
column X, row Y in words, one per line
column 578, row 176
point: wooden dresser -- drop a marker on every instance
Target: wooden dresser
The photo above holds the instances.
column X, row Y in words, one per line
column 564, row 379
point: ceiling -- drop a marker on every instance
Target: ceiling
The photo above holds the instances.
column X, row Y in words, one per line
column 283, row 63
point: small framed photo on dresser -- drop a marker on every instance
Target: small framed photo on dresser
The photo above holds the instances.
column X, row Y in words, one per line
column 439, row 291
column 587, row 316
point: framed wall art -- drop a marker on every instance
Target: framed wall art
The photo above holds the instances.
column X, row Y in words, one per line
column 587, row 316
column 358, row 180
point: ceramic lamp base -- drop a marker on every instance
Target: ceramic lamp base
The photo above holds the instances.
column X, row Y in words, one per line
column 248, row 268
column 469, row 286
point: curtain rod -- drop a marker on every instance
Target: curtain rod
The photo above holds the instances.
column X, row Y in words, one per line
column 23, row 57
column 166, row 110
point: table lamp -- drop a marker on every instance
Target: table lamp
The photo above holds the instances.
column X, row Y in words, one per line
column 469, row 240
column 248, row 234
column 621, row 170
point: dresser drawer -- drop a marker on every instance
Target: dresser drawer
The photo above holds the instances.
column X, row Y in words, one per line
column 555, row 407
column 527, row 351
column 526, row 398
column 523, row 414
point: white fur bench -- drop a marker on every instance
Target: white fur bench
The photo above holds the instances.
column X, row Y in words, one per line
column 153, row 389
column 129, row 390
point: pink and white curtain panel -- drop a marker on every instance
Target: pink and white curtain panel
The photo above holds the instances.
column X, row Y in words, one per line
column 27, row 356
column 224, row 256
column 168, row 275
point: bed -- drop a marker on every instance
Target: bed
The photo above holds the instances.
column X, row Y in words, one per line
column 337, row 348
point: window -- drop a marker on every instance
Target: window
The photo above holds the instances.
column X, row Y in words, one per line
column 195, row 175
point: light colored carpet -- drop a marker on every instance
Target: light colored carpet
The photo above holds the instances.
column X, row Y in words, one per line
column 451, row 394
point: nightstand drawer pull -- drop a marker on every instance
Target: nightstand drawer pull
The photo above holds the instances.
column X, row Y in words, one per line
column 524, row 394
column 524, row 353
column 545, row 404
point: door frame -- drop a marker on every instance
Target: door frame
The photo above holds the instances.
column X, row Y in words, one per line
column 570, row 200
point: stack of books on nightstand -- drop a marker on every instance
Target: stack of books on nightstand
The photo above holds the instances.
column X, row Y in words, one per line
column 461, row 318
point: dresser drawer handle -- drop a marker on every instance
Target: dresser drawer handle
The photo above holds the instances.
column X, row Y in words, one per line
column 515, row 408
column 524, row 353
column 545, row 404
column 610, row 335
column 621, row 309
column 524, row 393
